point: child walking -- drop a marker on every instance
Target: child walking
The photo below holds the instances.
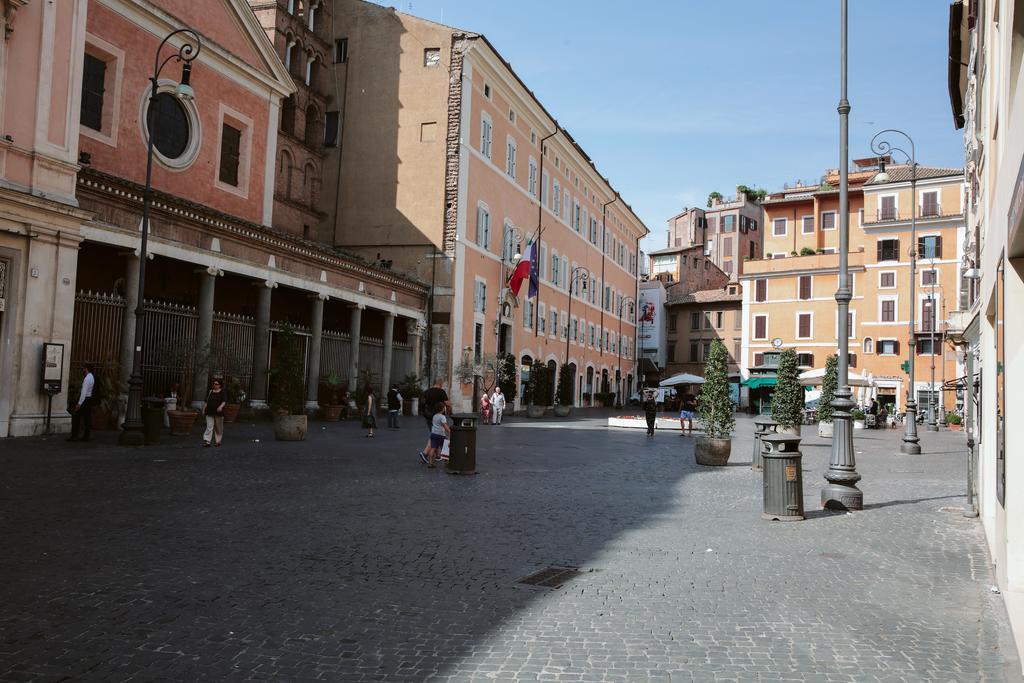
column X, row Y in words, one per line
column 439, row 431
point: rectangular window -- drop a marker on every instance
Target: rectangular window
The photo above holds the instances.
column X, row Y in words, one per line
column 532, row 184
column 480, row 297
column 431, row 56
column 576, row 215
column 930, row 204
column 828, row 220
column 758, row 360
column 888, row 250
column 803, row 321
column 805, row 287
column 510, row 158
column 727, row 267
column 483, row 228
column 707, row 320
column 887, row 279
column 695, row 320
column 888, row 310
column 888, row 347
column 887, row 208
column 760, row 327
column 924, row 346
column 554, row 322
column 528, row 314
column 94, row 75
column 929, row 247
column 673, row 322
column 706, row 351
column 728, row 223
column 486, row 133
column 544, row 189
column 332, row 124
column 737, row 320
column 735, row 351
column 556, row 199
column 779, row 227
column 693, row 352
column 805, row 360
column 478, row 342
column 928, row 315
column 807, row 225
column 341, row 50
column 541, row 321
column 761, row 290
column 929, row 277
column 230, row 150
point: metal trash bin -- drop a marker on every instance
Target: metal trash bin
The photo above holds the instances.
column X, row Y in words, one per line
column 763, row 424
column 462, row 449
column 783, row 478
column 152, row 419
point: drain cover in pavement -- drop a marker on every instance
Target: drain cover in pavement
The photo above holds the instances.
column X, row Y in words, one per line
column 551, row 577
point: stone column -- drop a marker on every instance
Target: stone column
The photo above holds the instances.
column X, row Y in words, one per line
column 415, row 329
column 389, row 338
column 355, row 333
column 261, row 348
column 204, row 335
column 316, row 326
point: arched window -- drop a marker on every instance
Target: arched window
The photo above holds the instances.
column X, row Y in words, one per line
column 311, row 183
column 313, row 135
column 293, row 59
column 869, row 345
column 284, row 174
column 313, row 7
column 288, row 115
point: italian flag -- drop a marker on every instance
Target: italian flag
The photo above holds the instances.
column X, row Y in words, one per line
column 523, row 270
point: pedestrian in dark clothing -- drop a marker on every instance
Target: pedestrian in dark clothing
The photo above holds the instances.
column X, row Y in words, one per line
column 650, row 407
column 394, row 406
column 370, row 412
column 432, row 398
column 216, row 399
column 81, row 413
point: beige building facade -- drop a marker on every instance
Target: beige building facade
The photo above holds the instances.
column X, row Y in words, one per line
column 448, row 168
column 730, row 232
column 695, row 319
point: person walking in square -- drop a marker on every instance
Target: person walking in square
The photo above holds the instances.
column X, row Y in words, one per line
column 394, row 406
column 216, row 399
column 439, row 431
column 497, row 405
column 485, row 408
column 687, row 414
column 81, row 412
column 650, row 410
column 370, row 412
column 431, row 398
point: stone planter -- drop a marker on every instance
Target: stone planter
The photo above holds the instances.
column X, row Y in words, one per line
column 182, row 421
column 290, row 427
column 535, row 411
column 795, row 431
column 231, row 411
column 712, row 452
column 332, row 413
column 563, row 411
column 858, row 424
column 825, row 430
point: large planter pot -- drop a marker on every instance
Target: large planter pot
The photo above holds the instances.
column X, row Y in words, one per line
column 290, row 427
column 411, row 406
column 231, row 411
column 858, row 424
column 825, row 430
column 102, row 419
column 795, row 431
column 535, row 411
column 182, row 421
column 955, row 427
column 332, row 413
column 712, row 452
column 563, row 411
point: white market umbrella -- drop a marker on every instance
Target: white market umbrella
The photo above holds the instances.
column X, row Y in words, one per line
column 813, row 378
column 682, row 378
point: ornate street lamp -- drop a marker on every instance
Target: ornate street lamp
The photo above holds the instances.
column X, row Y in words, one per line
column 618, row 369
column 579, row 274
column 189, row 50
column 841, row 492
column 883, row 147
column 932, row 425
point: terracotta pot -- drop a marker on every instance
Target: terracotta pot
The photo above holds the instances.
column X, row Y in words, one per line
column 290, row 427
column 955, row 427
column 102, row 419
column 182, row 421
column 231, row 411
column 535, row 411
column 333, row 412
column 712, row 452
column 825, row 430
column 563, row 411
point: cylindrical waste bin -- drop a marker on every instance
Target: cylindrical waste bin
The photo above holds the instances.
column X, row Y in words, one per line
column 462, row 449
column 152, row 418
column 783, row 478
column 763, row 424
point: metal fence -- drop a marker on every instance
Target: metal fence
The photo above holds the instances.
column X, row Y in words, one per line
column 170, row 358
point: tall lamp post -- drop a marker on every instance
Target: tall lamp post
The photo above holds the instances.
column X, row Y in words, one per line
column 579, row 274
column 841, row 492
column 189, row 50
column 618, row 369
column 942, row 361
column 933, row 403
column 882, row 147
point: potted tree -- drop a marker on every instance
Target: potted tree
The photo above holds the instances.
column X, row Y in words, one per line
column 236, row 397
column 507, row 379
column 563, row 407
column 411, row 391
column 330, row 393
column 538, row 392
column 829, row 384
column 788, row 400
column 954, row 421
column 715, row 408
column 286, row 376
column 858, row 418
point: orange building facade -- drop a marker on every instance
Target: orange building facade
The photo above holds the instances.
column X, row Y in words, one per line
column 789, row 296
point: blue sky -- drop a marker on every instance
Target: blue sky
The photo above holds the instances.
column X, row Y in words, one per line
column 675, row 99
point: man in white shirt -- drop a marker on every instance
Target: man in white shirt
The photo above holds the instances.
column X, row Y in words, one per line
column 497, row 406
column 81, row 413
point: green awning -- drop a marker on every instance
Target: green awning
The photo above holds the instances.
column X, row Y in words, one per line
column 758, row 382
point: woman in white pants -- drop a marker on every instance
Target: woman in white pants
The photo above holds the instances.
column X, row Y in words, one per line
column 215, row 402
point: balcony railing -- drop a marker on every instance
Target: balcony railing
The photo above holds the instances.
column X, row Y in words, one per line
column 889, row 214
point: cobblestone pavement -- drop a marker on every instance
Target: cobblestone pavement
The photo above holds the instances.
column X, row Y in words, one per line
column 344, row 559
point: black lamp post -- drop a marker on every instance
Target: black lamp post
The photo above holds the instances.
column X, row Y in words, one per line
column 579, row 274
column 911, row 445
column 189, row 50
column 841, row 492
column 618, row 369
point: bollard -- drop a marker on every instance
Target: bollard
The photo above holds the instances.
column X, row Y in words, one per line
column 783, row 478
column 763, row 424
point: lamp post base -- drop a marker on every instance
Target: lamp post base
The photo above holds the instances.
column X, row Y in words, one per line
column 910, row 448
column 932, row 427
column 970, row 512
column 838, row 496
column 131, row 436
